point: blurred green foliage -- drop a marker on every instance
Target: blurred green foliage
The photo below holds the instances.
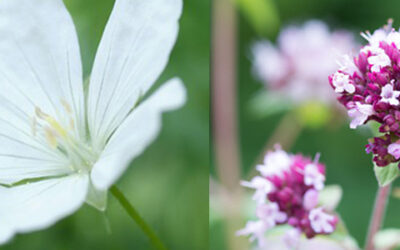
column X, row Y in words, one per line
column 168, row 184
column 342, row 149
column 261, row 14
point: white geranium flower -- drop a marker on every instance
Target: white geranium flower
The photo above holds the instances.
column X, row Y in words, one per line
column 60, row 147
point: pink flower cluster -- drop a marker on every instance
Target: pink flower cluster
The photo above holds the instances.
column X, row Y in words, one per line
column 287, row 193
column 369, row 88
column 304, row 56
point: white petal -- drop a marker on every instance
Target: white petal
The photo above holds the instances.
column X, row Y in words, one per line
column 39, row 66
column 97, row 198
column 38, row 205
column 40, row 61
column 133, row 52
column 23, row 155
column 136, row 133
column 5, row 234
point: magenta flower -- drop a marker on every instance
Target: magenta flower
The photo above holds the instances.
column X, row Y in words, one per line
column 375, row 75
column 291, row 199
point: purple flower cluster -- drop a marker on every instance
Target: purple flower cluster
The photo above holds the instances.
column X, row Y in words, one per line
column 369, row 88
column 287, row 192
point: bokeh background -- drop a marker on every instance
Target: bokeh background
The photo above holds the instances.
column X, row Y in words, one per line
column 342, row 149
column 168, row 184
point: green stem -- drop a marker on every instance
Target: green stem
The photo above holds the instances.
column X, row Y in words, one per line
column 136, row 217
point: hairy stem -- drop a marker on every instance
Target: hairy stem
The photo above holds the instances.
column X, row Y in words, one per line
column 156, row 242
column 377, row 215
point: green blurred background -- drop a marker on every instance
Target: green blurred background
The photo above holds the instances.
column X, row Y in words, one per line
column 168, row 184
column 342, row 149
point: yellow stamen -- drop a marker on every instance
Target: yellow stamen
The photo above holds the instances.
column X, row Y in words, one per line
column 52, row 122
column 50, row 137
column 66, row 106
column 56, row 126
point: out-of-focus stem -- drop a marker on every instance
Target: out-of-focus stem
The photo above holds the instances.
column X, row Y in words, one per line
column 285, row 134
column 224, row 108
column 378, row 215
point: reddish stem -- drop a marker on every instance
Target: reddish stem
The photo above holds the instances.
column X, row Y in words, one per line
column 224, row 107
column 377, row 215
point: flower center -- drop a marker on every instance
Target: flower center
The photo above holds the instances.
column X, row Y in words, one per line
column 62, row 137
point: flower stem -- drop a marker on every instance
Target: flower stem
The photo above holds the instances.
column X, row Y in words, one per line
column 136, row 217
column 377, row 215
column 286, row 134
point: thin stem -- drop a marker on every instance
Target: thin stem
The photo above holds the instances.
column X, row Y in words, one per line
column 136, row 217
column 286, row 134
column 377, row 215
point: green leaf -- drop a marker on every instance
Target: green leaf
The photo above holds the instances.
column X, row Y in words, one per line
column 385, row 175
column 387, row 239
column 330, row 197
column 265, row 104
column 262, row 15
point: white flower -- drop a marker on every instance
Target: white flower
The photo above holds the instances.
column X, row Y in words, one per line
column 312, row 177
column 394, row 149
column 347, row 65
column 262, row 187
column 342, row 83
column 386, row 34
column 256, row 229
column 292, row 238
column 389, row 95
column 275, row 163
column 376, row 37
column 270, row 214
column 59, row 146
column 360, row 114
column 379, row 61
column 321, row 222
column 310, row 198
column 394, row 37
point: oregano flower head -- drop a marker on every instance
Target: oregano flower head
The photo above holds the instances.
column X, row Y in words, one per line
column 287, row 192
column 369, row 88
